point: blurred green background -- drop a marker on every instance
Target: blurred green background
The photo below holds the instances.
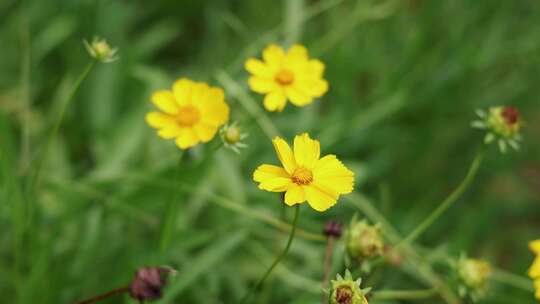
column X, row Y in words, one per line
column 405, row 78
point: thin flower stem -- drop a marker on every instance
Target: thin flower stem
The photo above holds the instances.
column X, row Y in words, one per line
column 512, row 279
column 447, row 203
column 277, row 260
column 327, row 268
column 111, row 293
column 405, row 294
column 172, row 209
column 34, row 184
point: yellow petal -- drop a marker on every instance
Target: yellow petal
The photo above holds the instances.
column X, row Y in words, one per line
column 294, row 195
column 297, row 97
column 306, row 151
column 262, row 85
column 279, row 184
column 182, row 91
column 159, row 120
column 187, row 138
column 314, row 88
column 535, row 246
column 534, row 270
column 258, row 68
column 199, row 93
column 275, row 101
column 267, row 172
column 205, row 132
column 214, row 110
column 273, row 55
column 331, row 174
column 319, row 199
column 297, row 52
column 165, row 101
column 285, row 154
column 170, row 131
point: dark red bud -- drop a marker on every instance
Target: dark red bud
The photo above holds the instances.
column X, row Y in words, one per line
column 333, row 229
column 148, row 283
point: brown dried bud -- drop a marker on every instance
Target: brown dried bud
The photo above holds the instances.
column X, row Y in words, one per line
column 148, row 283
column 333, row 229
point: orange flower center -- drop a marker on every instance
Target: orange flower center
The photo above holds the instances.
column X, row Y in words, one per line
column 284, row 77
column 187, row 116
column 302, row 176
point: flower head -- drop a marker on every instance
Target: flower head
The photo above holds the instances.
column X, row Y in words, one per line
column 191, row 113
column 347, row 291
column 364, row 241
column 289, row 75
column 101, row 50
column 149, row 282
column 503, row 124
column 534, row 270
column 305, row 176
column 232, row 136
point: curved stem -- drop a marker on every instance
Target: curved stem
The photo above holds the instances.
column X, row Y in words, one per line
column 111, row 293
column 405, row 294
column 277, row 260
column 34, row 183
column 454, row 196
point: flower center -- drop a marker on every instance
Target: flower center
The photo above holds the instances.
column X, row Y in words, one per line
column 284, row 77
column 187, row 116
column 510, row 115
column 344, row 295
column 302, row 176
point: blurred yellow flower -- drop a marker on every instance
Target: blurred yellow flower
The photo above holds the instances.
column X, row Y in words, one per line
column 534, row 271
column 191, row 113
column 305, row 176
column 286, row 76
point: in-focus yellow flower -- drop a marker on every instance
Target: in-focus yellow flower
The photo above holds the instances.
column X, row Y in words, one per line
column 534, row 271
column 283, row 76
column 191, row 113
column 305, row 176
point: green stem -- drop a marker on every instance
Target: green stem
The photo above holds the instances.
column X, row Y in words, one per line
column 405, row 294
column 172, row 209
column 513, row 280
column 277, row 260
column 447, row 203
column 34, row 184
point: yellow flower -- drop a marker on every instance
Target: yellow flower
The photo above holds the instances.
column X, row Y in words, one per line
column 191, row 113
column 305, row 176
column 534, row 271
column 286, row 76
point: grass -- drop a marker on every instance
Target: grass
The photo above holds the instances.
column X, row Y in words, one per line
column 405, row 79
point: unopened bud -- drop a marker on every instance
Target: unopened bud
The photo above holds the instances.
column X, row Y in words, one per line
column 364, row 241
column 503, row 125
column 149, row 282
column 101, row 50
column 333, row 229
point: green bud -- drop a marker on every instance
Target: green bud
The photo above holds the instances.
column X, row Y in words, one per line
column 364, row 241
column 347, row 291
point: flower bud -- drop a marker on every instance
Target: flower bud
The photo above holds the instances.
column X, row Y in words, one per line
column 149, row 282
column 333, row 229
column 473, row 275
column 101, row 50
column 364, row 241
column 503, row 124
column 232, row 137
column 347, row 291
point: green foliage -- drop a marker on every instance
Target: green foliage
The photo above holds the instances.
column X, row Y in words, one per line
column 405, row 79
